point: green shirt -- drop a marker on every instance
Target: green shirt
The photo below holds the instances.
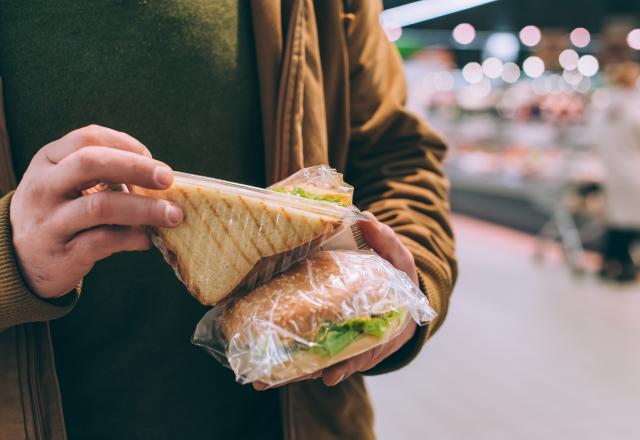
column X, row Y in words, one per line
column 180, row 76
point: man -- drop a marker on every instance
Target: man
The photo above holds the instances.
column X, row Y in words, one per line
column 183, row 80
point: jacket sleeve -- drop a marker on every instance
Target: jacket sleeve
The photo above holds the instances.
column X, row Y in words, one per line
column 395, row 162
column 18, row 304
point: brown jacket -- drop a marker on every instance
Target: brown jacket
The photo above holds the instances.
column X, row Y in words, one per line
column 332, row 91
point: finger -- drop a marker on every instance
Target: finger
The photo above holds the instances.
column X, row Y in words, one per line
column 93, row 135
column 113, row 208
column 83, row 168
column 383, row 239
column 337, row 373
column 101, row 242
column 380, row 237
column 261, row 386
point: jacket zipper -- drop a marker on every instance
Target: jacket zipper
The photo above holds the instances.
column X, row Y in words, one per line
column 36, row 403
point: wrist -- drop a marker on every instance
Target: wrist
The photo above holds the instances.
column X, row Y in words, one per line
column 18, row 303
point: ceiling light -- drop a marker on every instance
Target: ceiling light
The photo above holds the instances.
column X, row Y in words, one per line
column 423, row 10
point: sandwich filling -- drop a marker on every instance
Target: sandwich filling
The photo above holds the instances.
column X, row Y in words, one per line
column 342, row 200
column 333, row 337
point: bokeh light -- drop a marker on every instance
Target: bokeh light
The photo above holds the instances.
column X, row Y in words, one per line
column 492, row 67
column 572, row 77
column 540, row 86
column 634, row 39
column 533, row 66
column 580, row 37
column 503, row 45
column 444, row 81
column 584, row 86
column 588, row 65
column 530, row 35
column 556, row 83
column 464, row 33
column 482, row 89
column 510, row 72
column 472, row 73
column 569, row 59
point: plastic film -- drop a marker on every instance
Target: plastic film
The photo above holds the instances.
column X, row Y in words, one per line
column 329, row 307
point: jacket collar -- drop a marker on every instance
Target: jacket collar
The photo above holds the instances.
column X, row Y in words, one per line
column 289, row 70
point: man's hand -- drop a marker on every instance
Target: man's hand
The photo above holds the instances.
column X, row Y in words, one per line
column 58, row 234
column 386, row 243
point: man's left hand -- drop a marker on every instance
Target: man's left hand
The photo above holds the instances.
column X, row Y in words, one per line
column 382, row 239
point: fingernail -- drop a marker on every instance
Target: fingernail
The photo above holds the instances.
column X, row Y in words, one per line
column 163, row 175
column 336, row 382
column 174, row 214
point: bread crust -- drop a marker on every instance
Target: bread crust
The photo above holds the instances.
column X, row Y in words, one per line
column 327, row 286
column 225, row 236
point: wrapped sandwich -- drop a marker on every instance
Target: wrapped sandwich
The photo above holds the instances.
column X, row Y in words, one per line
column 329, row 307
column 235, row 236
column 317, row 183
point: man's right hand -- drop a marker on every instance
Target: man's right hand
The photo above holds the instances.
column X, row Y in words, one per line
column 58, row 233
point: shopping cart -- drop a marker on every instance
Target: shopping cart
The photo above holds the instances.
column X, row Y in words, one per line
column 573, row 201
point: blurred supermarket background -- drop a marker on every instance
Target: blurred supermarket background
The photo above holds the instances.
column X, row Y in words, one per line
column 540, row 103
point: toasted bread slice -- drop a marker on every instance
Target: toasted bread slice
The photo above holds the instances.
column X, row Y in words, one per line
column 226, row 233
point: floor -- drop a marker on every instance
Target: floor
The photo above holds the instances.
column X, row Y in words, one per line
column 528, row 351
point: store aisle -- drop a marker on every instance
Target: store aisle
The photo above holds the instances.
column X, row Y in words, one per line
column 527, row 352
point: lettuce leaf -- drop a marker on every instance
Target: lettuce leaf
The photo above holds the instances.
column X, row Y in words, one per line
column 332, row 338
column 301, row 192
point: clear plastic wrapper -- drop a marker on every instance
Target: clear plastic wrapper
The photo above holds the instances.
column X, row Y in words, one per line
column 329, row 307
column 235, row 237
column 320, row 182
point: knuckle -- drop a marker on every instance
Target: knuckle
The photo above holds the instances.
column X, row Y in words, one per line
column 34, row 198
column 87, row 135
column 97, row 206
column 89, row 159
column 21, row 241
column 140, row 167
column 30, row 188
column 154, row 210
column 139, row 146
column 84, row 159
